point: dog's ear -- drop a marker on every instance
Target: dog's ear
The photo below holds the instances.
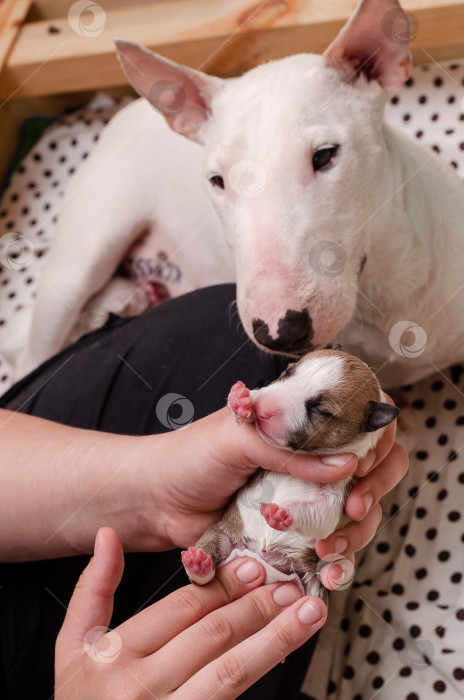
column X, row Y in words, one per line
column 375, row 42
column 182, row 95
column 379, row 415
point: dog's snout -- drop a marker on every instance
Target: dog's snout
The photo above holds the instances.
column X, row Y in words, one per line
column 294, row 335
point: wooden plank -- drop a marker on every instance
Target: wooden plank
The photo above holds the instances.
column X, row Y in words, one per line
column 223, row 37
column 12, row 15
column 440, row 53
column 51, row 9
column 10, row 129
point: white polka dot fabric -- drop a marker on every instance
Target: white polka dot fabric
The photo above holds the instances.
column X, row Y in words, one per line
column 29, row 211
column 429, row 108
column 402, row 632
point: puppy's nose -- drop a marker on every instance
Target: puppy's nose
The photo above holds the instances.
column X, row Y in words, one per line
column 294, row 333
column 266, row 407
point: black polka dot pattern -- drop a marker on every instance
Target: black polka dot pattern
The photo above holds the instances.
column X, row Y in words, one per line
column 429, row 110
column 30, row 207
column 404, row 632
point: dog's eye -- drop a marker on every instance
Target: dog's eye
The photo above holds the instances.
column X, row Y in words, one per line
column 323, row 157
column 217, row 181
column 314, row 407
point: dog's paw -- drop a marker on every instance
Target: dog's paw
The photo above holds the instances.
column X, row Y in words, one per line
column 276, row 517
column 198, row 565
column 240, row 402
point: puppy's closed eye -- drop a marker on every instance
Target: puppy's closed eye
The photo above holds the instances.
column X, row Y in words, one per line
column 315, row 407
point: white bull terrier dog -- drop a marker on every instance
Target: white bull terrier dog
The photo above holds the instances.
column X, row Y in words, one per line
column 335, row 226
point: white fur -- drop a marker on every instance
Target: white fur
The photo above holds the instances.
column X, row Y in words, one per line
column 314, row 376
column 385, row 196
column 322, row 506
column 315, row 507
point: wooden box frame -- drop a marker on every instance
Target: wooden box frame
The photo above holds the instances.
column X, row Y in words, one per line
column 45, row 64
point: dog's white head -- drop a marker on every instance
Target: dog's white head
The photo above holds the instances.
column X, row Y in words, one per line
column 294, row 158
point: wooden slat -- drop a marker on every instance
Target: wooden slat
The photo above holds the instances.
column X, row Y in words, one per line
column 223, row 37
column 10, row 130
column 12, row 15
column 51, row 9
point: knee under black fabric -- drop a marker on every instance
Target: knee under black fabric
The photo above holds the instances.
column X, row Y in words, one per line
column 116, row 379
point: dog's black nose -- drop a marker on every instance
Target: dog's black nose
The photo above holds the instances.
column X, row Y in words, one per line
column 294, row 334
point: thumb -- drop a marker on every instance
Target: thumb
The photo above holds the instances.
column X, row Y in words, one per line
column 91, row 606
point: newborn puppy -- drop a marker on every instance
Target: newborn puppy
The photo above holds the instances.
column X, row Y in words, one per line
column 328, row 402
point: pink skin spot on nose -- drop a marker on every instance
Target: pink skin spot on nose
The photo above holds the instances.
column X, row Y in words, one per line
column 240, row 402
column 276, row 517
column 196, row 562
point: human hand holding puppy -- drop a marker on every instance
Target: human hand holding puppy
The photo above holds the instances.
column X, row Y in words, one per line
column 206, row 462
column 259, row 624
column 198, row 642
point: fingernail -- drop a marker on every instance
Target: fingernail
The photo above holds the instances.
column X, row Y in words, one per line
column 367, row 463
column 368, row 500
column 337, row 574
column 336, row 460
column 309, row 613
column 339, row 545
column 286, row 594
column 248, row 572
column 97, row 542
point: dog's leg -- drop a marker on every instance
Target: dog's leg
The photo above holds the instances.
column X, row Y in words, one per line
column 311, row 579
column 63, row 291
column 211, row 549
column 94, row 232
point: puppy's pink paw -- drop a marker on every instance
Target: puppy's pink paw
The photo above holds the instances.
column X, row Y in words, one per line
column 196, row 562
column 276, row 517
column 240, row 402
